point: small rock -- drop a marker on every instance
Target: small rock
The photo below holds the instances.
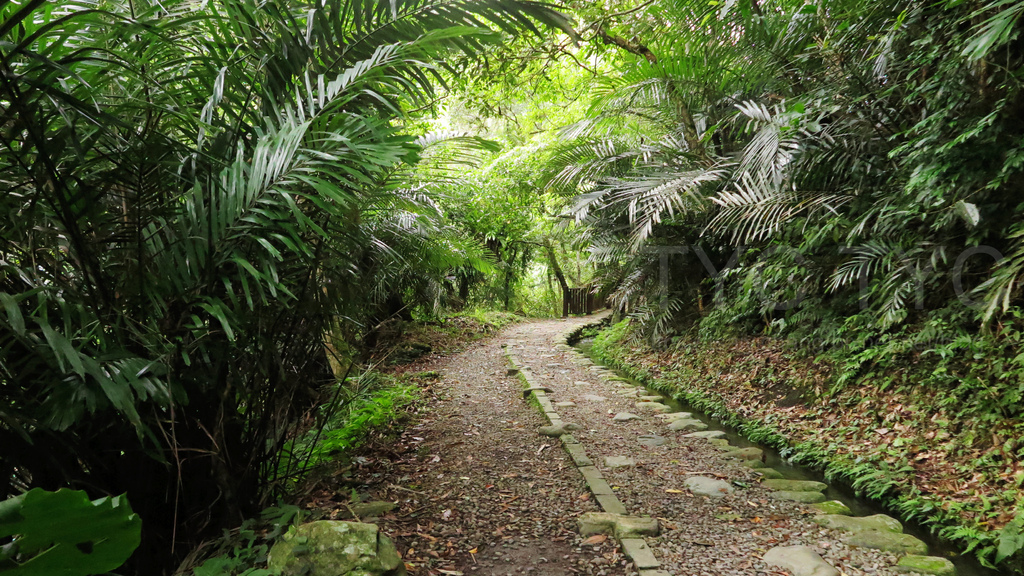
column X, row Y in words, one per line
column 802, row 497
column 652, row 406
column 652, row 440
column 888, row 542
column 799, row 561
column 795, row 485
column 687, row 425
column 618, row 461
column 833, row 507
column 745, row 454
column 707, row 434
column 594, row 398
column 372, row 509
column 876, row 523
column 915, row 564
column 676, row 416
column 704, row 486
column 624, row 416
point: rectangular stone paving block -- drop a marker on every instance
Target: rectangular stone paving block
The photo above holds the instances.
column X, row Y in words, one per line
column 595, row 481
column 578, row 455
column 610, row 503
column 640, row 553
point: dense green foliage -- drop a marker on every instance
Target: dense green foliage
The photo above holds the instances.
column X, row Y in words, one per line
column 194, row 195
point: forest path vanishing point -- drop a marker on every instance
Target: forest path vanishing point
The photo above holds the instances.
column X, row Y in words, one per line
column 480, row 491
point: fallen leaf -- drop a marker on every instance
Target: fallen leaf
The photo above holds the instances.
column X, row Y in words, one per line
column 595, row 539
column 673, row 491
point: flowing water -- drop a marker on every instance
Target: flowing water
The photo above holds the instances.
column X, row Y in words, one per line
column 966, row 565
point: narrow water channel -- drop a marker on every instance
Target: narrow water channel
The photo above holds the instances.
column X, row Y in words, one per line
column 966, row 565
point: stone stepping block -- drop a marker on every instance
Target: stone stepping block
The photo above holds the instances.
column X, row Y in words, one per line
column 610, row 503
column 577, row 453
column 617, row 525
column 652, row 398
column 755, row 464
column 745, row 454
column 594, row 398
column 704, row 486
column 652, row 440
column 795, row 485
column 914, row 564
column 773, row 474
column 556, row 430
column 676, row 416
column 626, row 392
column 707, row 434
column 799, row 561
column 802, row 497
column 652, row 406
column 721, row 443
column 565, row 404
column 887, row 542
column 639, row 553
column 876, row 523
column 618, row 461
column 832, row 507
column 545, row 389
column 624, row 417
column 687, row 425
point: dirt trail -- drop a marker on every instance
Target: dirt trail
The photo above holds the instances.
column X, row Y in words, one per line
column 479, row 491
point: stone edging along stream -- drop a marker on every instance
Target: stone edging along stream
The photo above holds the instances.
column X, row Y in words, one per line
column 877, row 531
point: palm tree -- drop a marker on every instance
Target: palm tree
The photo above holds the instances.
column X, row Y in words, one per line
column 192, row 195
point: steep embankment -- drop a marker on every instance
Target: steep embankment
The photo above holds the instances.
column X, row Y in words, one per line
column 902, row 445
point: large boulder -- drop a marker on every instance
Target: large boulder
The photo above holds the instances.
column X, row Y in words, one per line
column 331, row 548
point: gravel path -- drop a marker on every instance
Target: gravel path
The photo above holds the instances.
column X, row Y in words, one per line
column 480, row 492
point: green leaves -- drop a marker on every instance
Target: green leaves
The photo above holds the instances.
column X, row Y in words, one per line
column 63, row 533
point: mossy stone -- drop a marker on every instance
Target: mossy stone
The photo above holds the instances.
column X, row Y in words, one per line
column 914, row 564
column 877, row 523
column 795, row 485
column 331, row 548
column 887, row 542
column 834, row 507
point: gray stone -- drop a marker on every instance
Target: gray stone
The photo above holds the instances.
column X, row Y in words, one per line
column 802, row 497
column 745, row 454
column 704, row 486
column 772, row 474
column 582, row 383
column 652, row 406
column 833, row 507
column 795, row 485
column 618, row 461
column 557, row 429
column 676, row 416
column 610, row 503
column 799, row 561
column 594, row 398
column 654, row 572
column 887, row 542
column 686, row 425
column 372, row 509
column 876, row 523
column 707, row 434
column 624, row 416
column 565, row 404
column 652, row 440
column 914, row 564
column 330, row 548
column 578, row 454
column 640, row 553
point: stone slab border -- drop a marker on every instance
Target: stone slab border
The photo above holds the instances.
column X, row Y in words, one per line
column 635, row 548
